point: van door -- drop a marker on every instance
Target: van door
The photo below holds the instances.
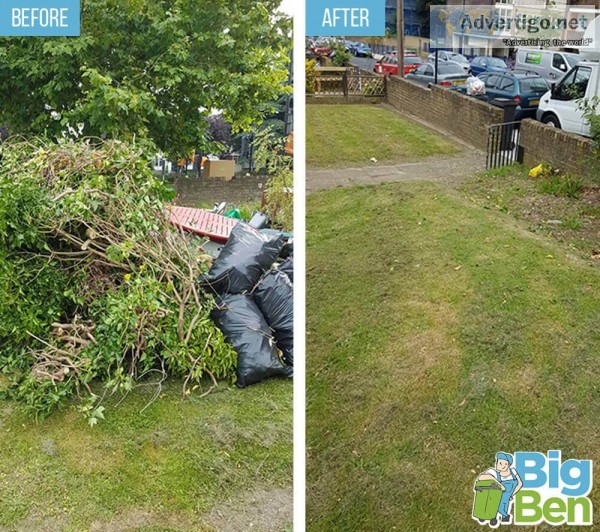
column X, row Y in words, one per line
column 592, row 96
column 567, row 98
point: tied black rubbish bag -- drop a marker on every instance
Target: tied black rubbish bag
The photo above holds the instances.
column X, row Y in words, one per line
column 244, row 326
column 243, row 259
column 274, row 296
column 287, row 267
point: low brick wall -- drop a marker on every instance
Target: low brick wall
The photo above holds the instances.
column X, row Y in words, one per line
column 545, row 144
column 450, row 111
column 352, row 99
column 192, row 191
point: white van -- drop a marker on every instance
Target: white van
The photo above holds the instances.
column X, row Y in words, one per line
column 551, row 65
column 561, row 106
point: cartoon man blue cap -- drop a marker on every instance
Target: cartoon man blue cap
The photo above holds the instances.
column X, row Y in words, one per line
column 509, row 481
column 505, row 456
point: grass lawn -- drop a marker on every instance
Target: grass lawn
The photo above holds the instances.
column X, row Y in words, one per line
column 343, row 136
column 439, row 332
column 181, row 464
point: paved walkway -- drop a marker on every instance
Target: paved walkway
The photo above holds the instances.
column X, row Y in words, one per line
column 450, row 170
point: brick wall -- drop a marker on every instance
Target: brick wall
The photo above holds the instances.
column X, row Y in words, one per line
column 545, row 144
column 192, row 191
column 448, row 111
column 351, row 99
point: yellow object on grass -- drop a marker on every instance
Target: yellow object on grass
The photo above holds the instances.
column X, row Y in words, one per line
column 541, row 170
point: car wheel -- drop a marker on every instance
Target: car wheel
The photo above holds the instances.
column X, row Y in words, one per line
column 551, row 120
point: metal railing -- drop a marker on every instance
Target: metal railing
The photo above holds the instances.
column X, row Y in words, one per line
column 503, row 145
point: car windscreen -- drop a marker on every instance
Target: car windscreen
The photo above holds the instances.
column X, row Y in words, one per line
column 458, row 58
column 496, row 62
column 533, row 85
column 412, row 61
column 572, row 59
column 451, row 69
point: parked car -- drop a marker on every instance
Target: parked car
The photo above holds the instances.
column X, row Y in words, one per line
column 524, row 88
column 444, row 55
column 388, row 64
column 560, row 106
column 361, row 50
column 549, row 64
column 348, row 45
column 485, row 63
column 450, row 74
column 323, row 48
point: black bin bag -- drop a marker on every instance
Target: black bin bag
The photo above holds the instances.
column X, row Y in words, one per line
column 246, row 329
column 287, row 267
column 243, row 259
column 274, row 296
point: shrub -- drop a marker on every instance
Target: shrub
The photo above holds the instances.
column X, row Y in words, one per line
column 341, row 57
column 310, row 76
column 97, row 291
column 270, row 154
column 558, row 185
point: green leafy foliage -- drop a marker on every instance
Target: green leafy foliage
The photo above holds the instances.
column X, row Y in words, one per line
column 270, row 154
column 97, row 291
column 561, row 185
column 149, row 68
column 341, row 57
column 311, row 82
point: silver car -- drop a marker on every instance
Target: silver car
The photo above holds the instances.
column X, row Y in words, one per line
column 450, row 75
column 444, row 55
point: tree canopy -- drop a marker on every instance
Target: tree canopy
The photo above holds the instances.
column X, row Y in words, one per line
column 149, row 68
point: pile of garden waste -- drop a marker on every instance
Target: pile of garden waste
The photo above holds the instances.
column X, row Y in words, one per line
column 98, row 292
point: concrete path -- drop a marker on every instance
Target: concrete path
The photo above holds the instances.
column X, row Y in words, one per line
column 450, row 170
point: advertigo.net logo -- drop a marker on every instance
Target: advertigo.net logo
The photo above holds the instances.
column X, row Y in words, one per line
column 506, row 26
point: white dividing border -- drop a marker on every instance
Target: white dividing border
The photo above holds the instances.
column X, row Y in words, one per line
column 299, row 267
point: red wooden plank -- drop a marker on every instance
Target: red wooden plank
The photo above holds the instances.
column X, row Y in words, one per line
column 201, row 222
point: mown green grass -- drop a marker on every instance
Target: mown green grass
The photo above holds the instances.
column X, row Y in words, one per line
column 343, row 136
column 439, row 332
column 160, row 469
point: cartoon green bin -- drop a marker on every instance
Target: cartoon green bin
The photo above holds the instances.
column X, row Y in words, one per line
column 487, row 501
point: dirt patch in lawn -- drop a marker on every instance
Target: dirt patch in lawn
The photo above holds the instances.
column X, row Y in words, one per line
column 141, row 519
column 574, row 221
column 262, row 510
column 266, row 510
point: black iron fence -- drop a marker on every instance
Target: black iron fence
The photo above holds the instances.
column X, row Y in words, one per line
column 348, row 83
column 503, row 145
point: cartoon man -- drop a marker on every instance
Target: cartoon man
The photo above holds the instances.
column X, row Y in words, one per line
column 510, row 480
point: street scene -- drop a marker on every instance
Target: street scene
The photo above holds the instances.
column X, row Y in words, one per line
column 146, row 270
column 453, row 278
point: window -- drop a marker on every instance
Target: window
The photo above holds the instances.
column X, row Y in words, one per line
column 558, row 62
column 428, row 70
column 451, row 68
column 496, row 62
column 492, row 81
column 533, row 85
column 574, row 85
column 507, row 84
